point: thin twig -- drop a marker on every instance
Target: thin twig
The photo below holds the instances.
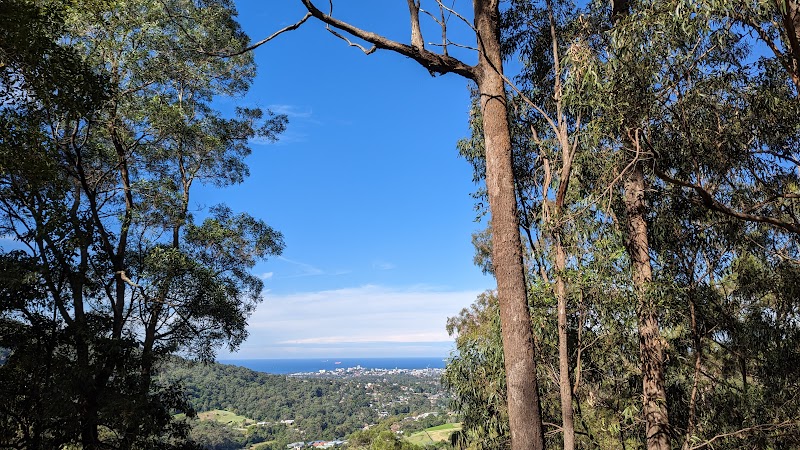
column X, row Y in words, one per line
column 453, row 12
column 744, row 431
column 291, row 27
column 428, row 13
column 366, row 51
column 454, row 44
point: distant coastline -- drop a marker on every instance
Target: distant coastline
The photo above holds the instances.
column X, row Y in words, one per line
column 297, row 365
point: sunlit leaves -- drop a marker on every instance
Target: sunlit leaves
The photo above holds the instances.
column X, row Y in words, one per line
column 97, row 188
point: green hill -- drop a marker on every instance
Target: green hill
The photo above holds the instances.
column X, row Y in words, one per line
column 319, row 408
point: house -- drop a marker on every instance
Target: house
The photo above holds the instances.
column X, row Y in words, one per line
column 287, row 421
column 296, row 445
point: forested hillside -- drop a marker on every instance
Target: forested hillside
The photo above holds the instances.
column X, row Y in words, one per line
column 320, row 407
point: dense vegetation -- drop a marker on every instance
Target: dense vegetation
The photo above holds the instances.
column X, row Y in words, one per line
column 655, row 154
column 106, row 125
column 646, row 153
column 321, row 408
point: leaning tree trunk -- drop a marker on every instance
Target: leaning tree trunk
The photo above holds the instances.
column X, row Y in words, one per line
column 523, row 397
column 654, row 395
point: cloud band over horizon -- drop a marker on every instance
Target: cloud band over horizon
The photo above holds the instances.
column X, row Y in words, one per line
column 364, row 321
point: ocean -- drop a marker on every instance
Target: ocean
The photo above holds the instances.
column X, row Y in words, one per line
column 284, row 366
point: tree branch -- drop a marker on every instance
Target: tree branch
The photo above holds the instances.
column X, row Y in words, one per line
column 454, row 44
column 744, row 431
column 416, row 31
column 367, row 51
column 291, row 27
column 707, row 200
column 434, row 62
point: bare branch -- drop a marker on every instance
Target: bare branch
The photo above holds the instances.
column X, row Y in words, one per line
column 745, row 431
column 455, row 13
column 291, row 27
column 366, row 51
column 429, row 14
column 434, row 62
column 454, row 44
column 443, row 24
column 527, row 100
column 416, row 31
column 124, row 277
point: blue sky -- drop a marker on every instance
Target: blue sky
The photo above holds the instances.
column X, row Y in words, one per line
column 366, row 185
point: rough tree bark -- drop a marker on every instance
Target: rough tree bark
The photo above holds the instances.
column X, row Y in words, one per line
column 651, row 354
column 523, row 397
column 654, row 395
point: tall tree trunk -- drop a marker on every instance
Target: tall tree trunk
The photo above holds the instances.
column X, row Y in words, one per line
column 564, row 382
column 650, row 347
column 523, row 396
column 90, row 439
column 654, row 395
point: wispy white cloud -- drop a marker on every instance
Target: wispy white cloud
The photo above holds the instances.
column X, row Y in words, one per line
column 293, row 134
column 266, row 275
column 292, row 111
column 354, row 321
column 290, row 136
column 304, row 269
column 383, row 265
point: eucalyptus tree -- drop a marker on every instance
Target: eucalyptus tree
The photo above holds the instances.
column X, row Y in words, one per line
column 554, row 173
column 700, row 129
column 99, row 198
column 728, row 314
column 630, row 88
column 764, row 157
column 698, row 110
column 644, row 49
column 487, row 74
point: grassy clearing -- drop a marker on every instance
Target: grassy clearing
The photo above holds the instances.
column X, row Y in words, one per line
column 434, row 434
column 225, row 417
column 447, row 426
